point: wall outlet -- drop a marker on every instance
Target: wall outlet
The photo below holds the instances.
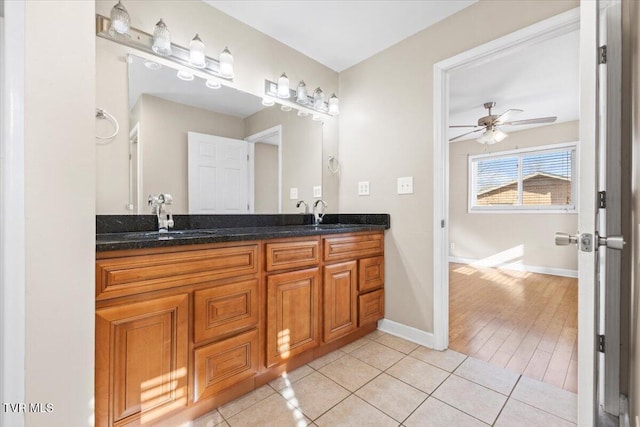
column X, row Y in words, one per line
column 293, row 193
column 363, row 188
column 405, row 185
column 452, row 245
column 317, row 191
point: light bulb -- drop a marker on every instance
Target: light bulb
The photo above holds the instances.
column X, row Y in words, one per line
column 267, row 102
column 161, row 39
column 196, row 53
column 152, row 65
column 283, row 86
column 226, row 64
column 302, row 113
column 301, row 93
column 334, row 105
column 120, row 21
column 499, row 136
column 318, row 99
column 213, row 84
column 185, row 75
column 317, row 117
column 285, row 108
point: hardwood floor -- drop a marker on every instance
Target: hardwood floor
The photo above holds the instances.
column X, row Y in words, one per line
column 524, row 322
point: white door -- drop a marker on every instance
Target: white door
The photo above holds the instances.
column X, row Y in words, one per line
column 218, row 174
column 593, row 118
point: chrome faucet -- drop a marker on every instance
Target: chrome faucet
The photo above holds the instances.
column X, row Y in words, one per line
column 317, row 216
column 306, row 207
column 159, row 205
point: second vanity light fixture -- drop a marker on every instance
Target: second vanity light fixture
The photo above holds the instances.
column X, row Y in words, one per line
column 300, row 99
column 119, row 30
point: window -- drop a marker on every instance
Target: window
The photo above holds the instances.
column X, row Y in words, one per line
column 537, row 179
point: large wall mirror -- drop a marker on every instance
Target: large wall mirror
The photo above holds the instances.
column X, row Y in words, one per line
column 215, row 150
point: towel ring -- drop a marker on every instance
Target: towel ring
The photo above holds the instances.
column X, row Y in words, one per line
column 103, row 114
column 333, row 164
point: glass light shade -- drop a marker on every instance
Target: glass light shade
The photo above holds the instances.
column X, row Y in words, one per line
column 212, row 84
column 491, row 136
column 302, row 113
column 185, row 75
column 196, row 53
column 283, row 86
column 285, row 108
column 317, row 117
column 120, row 21
column 318, row 99
column 152, row 65
column 334, row 105
column 499, row 136
column 161, row 39
column 301, row 93
column 267, row 102
column 226, row 64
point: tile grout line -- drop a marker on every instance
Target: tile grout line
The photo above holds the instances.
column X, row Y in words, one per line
column 507, row 401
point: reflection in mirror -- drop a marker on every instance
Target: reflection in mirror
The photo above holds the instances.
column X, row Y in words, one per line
column 214, row 150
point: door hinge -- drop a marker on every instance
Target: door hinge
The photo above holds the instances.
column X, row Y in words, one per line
column 247, row 157
column 602, row 59
column 601, row 343
column 442, row 223
column 602, row 199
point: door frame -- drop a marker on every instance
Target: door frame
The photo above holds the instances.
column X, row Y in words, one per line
column 544, row 30
column 255, row 138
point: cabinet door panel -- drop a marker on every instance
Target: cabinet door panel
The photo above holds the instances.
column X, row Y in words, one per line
column 292, row 314
column 371, row 307
column 141, row 359
column 340, row 300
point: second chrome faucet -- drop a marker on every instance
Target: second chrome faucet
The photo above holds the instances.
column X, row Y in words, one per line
column 318, row 214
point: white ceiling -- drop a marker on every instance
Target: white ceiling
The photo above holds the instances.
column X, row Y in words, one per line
column 542, row 80
column 347, row 32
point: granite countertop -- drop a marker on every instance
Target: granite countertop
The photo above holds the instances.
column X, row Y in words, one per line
column 118, row 232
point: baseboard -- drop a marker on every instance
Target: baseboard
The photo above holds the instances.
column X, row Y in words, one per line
column 408, row 333
column 516, row 267
column 624, row 412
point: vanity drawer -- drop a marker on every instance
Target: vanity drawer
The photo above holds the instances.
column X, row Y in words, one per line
column 353, row 246
column 370, row 307
column 224, row 309
column 116, row 277
column 225, row 363
column 292, row 254
column 370, row 273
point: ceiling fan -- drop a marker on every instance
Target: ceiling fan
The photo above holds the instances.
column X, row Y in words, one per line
column 491, row 124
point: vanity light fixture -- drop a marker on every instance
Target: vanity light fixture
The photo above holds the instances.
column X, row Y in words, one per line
column 334, row 105
column 120, row 21
column 226, row 64
column 213, row 84
column 317, row 117
column 196, row 53
column 268, row 102
column 491, row 136
column 152, row 65
column 283, row 87
column 285, row 108
column 161, row 39
column 185, row 75
column 318, row 99
column 302, row 113
column 301, row 93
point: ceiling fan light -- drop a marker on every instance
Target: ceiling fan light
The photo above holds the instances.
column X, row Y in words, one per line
column 499, row 136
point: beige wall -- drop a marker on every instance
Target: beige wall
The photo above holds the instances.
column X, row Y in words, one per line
column 266, row 178
column 301, row 152
column 59, row 211
column 482, row 235
column 164, row 126
column 385, row 130
column 257, row 57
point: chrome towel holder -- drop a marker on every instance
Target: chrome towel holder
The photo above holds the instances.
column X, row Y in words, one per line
column 104, row 114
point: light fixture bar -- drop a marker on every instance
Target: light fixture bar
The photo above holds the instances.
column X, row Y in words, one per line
column 271, row 90
column 144, row 41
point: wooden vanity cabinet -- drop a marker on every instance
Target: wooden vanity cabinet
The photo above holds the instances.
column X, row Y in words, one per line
column 182, row 330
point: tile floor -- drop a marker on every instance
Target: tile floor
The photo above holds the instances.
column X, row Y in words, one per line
column 383, row 380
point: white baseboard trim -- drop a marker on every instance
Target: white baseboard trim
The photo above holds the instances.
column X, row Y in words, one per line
column 624, row 412
column 516, row 267
column 408, row 333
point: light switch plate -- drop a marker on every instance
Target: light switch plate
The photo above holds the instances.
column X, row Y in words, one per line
column 363, row 188
column 293, row 193
column 405, row 185
column 317, row 191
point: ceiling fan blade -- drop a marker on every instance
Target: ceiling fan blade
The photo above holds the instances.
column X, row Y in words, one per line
column 507, row 115
column 530, row 121
column 465, row 134
column 465, row 126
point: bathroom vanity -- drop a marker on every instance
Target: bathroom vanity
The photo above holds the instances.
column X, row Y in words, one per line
column 187, row 321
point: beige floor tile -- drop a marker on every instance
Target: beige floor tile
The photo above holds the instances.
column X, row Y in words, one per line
column 448, row 360
column 375, row 334
column 274, row 411
column 314, row 394
column 354, row 411
column 288, row 378
column 392, row 396
column 547, row 397
column 326, row 359
column 397, row 343
column 212, row 419
column 471, row 398
column 230, row 409
column 518, row 414
column 350, row 372
column 419, row 374
column 434, row 413
column 488, row 375
column 377, row 355
column 355, row 345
